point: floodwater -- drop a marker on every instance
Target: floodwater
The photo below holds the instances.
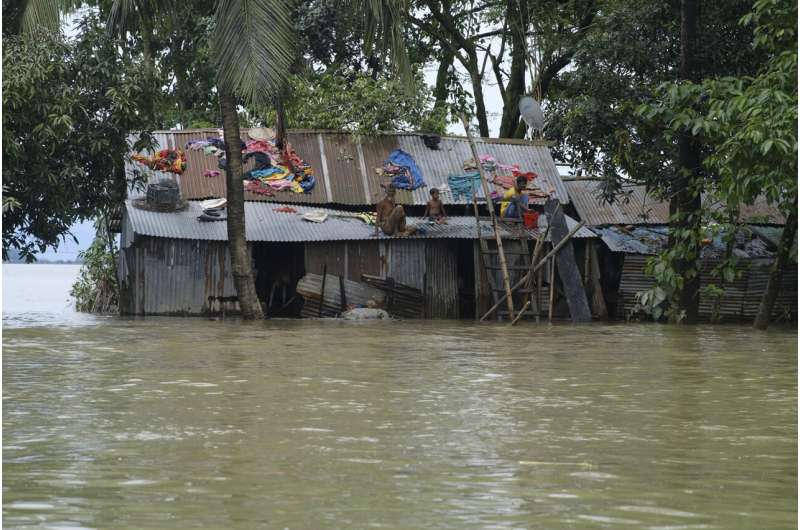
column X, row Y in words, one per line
column 191, row 423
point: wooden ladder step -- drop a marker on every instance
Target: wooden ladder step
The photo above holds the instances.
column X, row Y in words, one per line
column 517, row 291
column 528, row 312
column 507, row 252
column 508, row 267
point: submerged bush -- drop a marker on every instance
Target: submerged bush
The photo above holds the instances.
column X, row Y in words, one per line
column 96, row 289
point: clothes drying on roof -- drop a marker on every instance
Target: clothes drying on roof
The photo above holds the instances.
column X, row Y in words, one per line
column 276, row 169
column 167, row 160
column 403, row 171
column 315, row 216
column 465, row 184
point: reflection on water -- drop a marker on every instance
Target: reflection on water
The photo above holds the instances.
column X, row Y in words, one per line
column 180, row 423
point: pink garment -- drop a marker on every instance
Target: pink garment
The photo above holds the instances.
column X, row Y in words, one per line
column 279, row 185
column 506, row 181
column 259, row 146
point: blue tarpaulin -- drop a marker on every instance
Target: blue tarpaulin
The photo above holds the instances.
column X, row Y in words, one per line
column 399, row 157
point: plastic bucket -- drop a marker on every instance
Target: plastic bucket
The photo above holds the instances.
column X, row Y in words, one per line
column 530, row 218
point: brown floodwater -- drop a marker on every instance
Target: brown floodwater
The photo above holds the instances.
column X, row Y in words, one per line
column 190, row 423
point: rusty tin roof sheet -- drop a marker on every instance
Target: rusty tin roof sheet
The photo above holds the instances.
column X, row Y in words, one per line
column 345, row 169
column 639, row 208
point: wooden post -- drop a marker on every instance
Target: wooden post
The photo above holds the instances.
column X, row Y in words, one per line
column 598, row 301
column 552, row 291
column 342, row 295
column 569, row 273
column 490, row 205
column 540, row 242
column 538, row 286
column 322, row 293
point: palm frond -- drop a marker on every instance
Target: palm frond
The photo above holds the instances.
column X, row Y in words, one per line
column 254, row 47
column 44, row 14
column 125, row 15
column 120, row 15
column 383, row 30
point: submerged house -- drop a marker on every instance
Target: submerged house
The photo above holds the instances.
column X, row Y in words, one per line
column 634, row 228
column 170, row 263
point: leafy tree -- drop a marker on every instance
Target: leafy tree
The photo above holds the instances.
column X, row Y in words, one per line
column 356, row 102
column 749, row 125
column 596, row 117
column 68, row 110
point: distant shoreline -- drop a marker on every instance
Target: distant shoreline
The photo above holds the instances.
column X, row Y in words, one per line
column 43, row 263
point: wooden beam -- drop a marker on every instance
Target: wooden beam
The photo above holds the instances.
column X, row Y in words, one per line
column 568, row 269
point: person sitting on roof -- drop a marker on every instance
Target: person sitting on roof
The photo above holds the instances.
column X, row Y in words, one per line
column 514, row 201
column 391, row 217
column 434, row 210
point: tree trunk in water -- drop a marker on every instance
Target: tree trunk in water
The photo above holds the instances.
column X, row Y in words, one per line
column 243, row 279
column 686, row 200
column 518, row 24
column 776, row 273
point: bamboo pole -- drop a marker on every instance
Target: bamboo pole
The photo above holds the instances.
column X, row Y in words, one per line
column 490, row 205
column 535, row 268
column 522, row 312
column 536, row 251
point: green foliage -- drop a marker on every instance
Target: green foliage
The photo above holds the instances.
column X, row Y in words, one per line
column 748, row 125
column 96, row 290
column 361, row 104
column 68, row 108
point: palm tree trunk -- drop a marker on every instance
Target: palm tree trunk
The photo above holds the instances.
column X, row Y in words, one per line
column 243, row 279
column 776, row 273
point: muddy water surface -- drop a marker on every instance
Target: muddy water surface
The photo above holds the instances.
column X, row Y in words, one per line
column 189, row 423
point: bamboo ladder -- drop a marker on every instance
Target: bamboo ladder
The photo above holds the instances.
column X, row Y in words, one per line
column 495, row 227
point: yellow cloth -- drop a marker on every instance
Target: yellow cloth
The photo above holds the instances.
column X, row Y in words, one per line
column 509, row 194
column 278, row 176
column 296, row 187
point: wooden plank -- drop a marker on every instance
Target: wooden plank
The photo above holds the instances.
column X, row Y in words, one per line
column 568, row 268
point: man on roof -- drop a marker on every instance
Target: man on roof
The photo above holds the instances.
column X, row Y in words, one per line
column 391, row 217
column 514, row 201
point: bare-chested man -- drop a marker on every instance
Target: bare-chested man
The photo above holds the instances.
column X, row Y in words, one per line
column 391, row 217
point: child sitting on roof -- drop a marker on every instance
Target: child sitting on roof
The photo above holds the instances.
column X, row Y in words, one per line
column 434, row 210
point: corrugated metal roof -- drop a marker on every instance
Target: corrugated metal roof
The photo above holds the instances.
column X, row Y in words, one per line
column 634, row 209
column 263, row 223
column 345, row 170
column 638, row 208
column 649, row 240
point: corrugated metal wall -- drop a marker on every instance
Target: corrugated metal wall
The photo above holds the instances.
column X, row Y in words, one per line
column 740, row 301
column 348, row 258
column 177, row 277
column 430, row 265
column 441, row 264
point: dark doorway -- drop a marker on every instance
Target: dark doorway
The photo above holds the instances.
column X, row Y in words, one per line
column 279, row 266
column 466, row 279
